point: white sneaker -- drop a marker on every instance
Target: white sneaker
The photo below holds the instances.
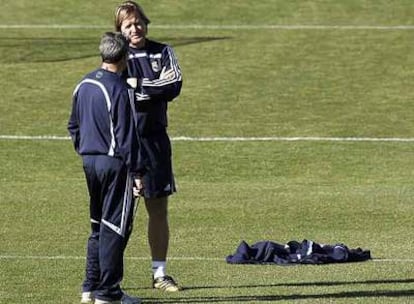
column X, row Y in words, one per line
column 97, row 301
column 87, row 297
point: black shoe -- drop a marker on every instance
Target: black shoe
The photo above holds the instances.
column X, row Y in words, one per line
column 165, row 283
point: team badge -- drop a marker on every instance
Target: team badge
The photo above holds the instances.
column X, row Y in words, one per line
column 99, row 74
column 156, row 65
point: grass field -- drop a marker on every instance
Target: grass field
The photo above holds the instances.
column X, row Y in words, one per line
column 336, row 76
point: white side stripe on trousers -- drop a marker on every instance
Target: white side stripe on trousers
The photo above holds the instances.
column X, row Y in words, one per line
column 126, row 210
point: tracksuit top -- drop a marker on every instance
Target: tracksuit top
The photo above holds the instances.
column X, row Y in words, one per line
column 101, row 121
column 153, row 93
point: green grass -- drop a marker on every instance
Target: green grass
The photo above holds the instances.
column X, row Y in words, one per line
column 255, row 82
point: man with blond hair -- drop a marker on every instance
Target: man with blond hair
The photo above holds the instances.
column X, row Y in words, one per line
column 154, row 72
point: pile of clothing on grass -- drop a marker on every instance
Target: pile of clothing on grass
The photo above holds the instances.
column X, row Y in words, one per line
column 294, row 252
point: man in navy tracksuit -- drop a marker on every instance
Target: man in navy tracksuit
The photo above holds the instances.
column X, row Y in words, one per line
column 154, row 71
column 103, row 132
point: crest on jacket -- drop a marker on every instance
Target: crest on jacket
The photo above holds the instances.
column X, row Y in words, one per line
column 156, row 64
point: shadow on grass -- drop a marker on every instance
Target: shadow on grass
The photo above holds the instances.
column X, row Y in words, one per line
column 305, row 284
column 300, row 284
column 55, row 49
column 275, row 298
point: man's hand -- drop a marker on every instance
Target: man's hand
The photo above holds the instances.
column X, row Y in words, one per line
column 138, row 187
column 133, row 82
column 167, row 74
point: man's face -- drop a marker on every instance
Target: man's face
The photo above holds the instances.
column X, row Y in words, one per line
column 135, row 30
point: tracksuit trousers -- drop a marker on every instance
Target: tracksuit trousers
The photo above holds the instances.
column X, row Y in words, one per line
column 111, row 214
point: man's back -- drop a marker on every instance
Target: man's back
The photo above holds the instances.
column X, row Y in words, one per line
column 101, row 122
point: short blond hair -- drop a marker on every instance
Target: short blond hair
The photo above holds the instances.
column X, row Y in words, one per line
column 127, row 9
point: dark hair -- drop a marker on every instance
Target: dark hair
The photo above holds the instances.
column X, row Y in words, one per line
column 113, row 47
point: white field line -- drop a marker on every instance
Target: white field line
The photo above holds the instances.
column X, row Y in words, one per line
column 236, row 139
column 218, row 26
column 298, row 138
column 63, row 257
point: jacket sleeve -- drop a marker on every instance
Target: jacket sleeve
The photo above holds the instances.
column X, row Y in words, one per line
column 126, row 135
column 73, row 123
column 164, row 89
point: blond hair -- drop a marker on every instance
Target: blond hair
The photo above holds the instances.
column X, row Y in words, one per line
column 127, row 9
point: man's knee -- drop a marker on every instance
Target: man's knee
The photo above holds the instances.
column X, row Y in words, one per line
column 157, row 207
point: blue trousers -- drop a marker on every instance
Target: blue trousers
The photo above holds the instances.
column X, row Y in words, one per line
column 111, row 214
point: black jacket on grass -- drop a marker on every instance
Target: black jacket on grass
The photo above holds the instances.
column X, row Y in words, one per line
column 305, row 252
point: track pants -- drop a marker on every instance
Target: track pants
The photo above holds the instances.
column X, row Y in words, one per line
column 111, row 214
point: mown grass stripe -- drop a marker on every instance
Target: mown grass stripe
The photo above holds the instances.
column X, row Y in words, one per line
column 63, row 257
column 218, row 26
column 236, row 138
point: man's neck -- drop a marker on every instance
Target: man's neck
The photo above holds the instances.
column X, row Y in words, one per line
column 140, row 45
column 110, row 67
